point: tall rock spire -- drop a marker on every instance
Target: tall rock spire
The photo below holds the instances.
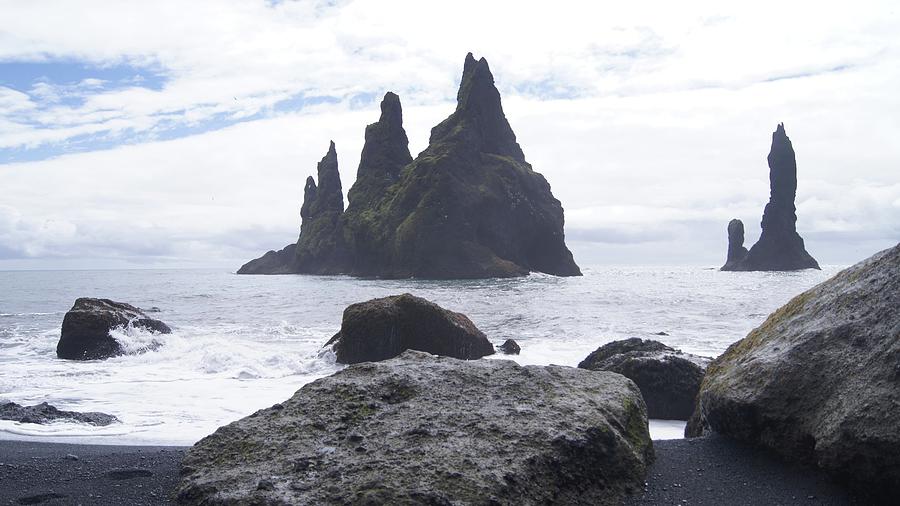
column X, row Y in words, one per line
column 479, row 115
column 780, row 247
column 328, row 196
column 384, row 154
column 736, row 250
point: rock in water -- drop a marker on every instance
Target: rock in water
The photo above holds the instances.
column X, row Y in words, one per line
column 819, row 380
column 780, row 247
column 668, row 378
column 420, row 429
column 380, row 329
column 737, row 253
column 44, row 413
column 469, row 206
column 510, row 347
column 85, row 328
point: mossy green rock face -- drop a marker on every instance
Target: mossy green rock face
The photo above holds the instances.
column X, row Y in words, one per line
column 469, row 206
column 819, row 380
column 420, row 429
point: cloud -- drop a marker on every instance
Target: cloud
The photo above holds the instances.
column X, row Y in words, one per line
column 188, row 140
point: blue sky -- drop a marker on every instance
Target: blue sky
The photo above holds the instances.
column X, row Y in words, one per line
column 179, row 134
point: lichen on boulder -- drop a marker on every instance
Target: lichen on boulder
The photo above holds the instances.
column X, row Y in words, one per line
column 819, row 380
column 420, row 429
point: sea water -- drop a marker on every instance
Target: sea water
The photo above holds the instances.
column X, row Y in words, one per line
column 242, row 343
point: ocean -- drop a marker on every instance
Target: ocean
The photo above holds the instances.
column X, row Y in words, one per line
column 241, row 343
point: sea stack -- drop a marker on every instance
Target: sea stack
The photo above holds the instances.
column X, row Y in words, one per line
column 780, row 247
column 469, row 206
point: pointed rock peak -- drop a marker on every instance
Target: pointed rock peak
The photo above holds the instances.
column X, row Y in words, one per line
column 477, row 82
column 391, row 111
column 329, row 195
column 309, row 196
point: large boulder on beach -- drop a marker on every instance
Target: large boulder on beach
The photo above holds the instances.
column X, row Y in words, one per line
column 420, row 429
column 380, row 329
column 44, row 413
column 85, row 328
column 819, row 380
column 669, row 379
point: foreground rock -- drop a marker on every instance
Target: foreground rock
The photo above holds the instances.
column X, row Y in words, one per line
column 44, row 413
column 469, row 206
column 420, row 429
column 819, row 380
column 780, row 247
column 668, row 378
column 85, row 328
column 380, row 329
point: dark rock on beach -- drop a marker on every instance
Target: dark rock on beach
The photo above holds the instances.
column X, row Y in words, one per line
column 780, row 247
column 668, row 378
column 469, row 206
column 819, row 380
column 380, row 329
column 420, row 429
column 85, row 328
column 510, row 347
column 44, row 413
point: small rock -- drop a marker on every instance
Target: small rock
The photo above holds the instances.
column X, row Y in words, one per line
column 510, row 347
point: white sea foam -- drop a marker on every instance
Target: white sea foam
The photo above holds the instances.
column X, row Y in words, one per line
column 241, row 343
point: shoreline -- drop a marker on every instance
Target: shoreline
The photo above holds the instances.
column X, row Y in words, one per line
column 66, row 473
column 711, row 470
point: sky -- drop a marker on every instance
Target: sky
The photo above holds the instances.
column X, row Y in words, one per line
column 173, row 134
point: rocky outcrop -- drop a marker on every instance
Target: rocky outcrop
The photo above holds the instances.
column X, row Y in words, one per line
column 85, row 328
column 469, row 206
column 668, row 378
column 510, row 347
column 780, row 247
column 420, row 429
column 819, row 380
column 44, row 413
column 737, row 253
column 380, row 329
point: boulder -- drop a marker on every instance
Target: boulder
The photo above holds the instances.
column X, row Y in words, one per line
column 819, row 380
column 510, row 347
column 668, row 378
column 85, row 328
column 380, row 329
column 469, row 206
column 420, row 429
column 780, row 247
column 44, row 413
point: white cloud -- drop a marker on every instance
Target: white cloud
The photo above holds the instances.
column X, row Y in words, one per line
column 651, row 122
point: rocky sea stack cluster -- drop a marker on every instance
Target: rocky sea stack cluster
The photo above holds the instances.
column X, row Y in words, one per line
column 780, row 247
column 469, row 206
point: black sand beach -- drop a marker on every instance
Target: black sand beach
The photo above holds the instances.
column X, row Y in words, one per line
column 53, row 473
column 717, row 471
column 705, row 471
